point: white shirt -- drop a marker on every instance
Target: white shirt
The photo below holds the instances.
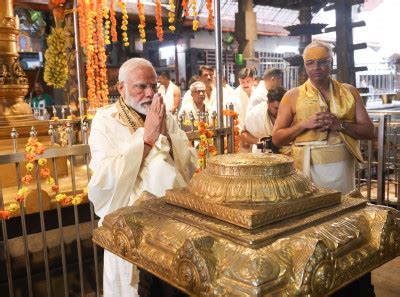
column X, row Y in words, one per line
column 259, row 95
column 168, row 95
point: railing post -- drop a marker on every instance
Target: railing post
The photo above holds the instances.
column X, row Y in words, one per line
column 381, row 159
column 231, row 135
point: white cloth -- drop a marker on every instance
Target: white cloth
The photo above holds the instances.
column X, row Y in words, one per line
column 242, row 109
column 210, row 101
column 338, row 174
column 168, row 95
column 259, row 95
column 119, row 177
column 258, row 121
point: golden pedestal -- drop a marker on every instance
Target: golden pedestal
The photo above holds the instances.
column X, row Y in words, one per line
column 250, row 225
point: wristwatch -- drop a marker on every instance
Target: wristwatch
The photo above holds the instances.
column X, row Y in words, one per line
column 343, row 126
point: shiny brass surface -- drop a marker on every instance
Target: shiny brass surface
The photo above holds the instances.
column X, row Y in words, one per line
column 312, row 254
column 13, row 82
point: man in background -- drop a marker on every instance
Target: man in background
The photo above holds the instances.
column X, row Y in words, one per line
column 169, row 91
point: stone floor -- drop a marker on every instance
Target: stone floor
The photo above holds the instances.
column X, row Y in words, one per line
column 386, row 279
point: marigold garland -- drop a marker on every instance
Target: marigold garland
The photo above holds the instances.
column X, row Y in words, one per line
column 113, row 20
column 124, row 24
column 195, row 14
column 159, row 29
column 185, row 7
column 171, row 15
column 206, row 145
column 210, row 22
column 107, row 26
column 142, row 22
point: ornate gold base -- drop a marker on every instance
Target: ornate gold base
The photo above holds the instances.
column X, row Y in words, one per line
column 252, row 215
column 308, row 255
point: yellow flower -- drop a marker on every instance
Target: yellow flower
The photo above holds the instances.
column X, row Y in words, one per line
column 171, row 28
column 60, row 197
column 42, row 161
column 29, row 148
column 23, row 191
column 76, row 200
column 50, row 181
column 85, row 190
column 200, row 162
column 203, row 137
column 12, row 207
column 29, row 167
column 196, row 123
column 187, row 122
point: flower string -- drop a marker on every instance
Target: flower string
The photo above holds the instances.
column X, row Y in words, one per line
column 124, row 25
column 185, row 7
column 159, row 29
column 206, row 145
column 210, row 23
column 142, row 22
column 171, row 15
column 236, row 130
column 107, row 25
column 113, row 20
column 195, row 14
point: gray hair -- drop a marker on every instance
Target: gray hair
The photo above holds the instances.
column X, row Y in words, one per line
column 195, row 85
column 131, row 65
column 325, row 45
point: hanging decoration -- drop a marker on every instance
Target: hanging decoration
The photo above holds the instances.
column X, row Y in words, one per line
column 124, row 25
column 210, row 23
column 159, row 29
column 206, row 145
column 185, row 7
column 91, row 15
column 195, row 14
column 142, row 22
column 56, row 66
column 113, row 20
column 107, row 26
column 171, row 16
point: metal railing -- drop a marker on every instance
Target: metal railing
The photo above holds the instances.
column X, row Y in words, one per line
column 63, row 241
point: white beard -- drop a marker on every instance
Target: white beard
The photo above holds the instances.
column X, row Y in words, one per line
column 141, row 107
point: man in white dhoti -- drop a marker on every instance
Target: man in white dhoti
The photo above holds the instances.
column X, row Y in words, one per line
column 169, row 91
column 243, row 92
column 136, row 146
column 323, row 118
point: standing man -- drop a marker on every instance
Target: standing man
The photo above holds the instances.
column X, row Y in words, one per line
column 323, row 118
column 243, row 92
column 136, row 146
column 169, row 91
column 206, row 75
column 272, row 80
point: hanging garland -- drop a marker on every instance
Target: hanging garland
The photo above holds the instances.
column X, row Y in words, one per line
column 171, row 15
column 185, row 7
column 206, row 145
column 107, row 26
column 113, row 20
column 124, row 24
column 236, row 130
column 56, row 66
column 142, row 20
column 102, row 90
column 210, row 23
column 159, row 29
column 195, row 14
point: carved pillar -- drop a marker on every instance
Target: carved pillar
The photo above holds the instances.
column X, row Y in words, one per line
column 13, row 82
column 246, row 33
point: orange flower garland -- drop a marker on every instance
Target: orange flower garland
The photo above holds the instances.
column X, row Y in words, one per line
column 195, row 14
column 102, row 91
column 210, row 23
column 82, row 23
column 124, row 25
column 113, row 20
column 185, row 8
column 171, row 15
column 142, row 24
column 236, row 130
column 206, row 145
column 159, row 29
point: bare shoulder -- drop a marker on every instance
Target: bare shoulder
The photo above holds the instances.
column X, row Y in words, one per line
column 290, row 98
column 176, row 89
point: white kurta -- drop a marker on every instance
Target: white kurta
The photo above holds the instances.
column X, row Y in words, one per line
column 259, row 95
column 210, row 101
column 258, row 122
column 168, row 95
column 119, row 177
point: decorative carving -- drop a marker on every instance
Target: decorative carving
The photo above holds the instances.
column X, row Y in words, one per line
column 17, row 72
column 195, row 264
column 8, row 22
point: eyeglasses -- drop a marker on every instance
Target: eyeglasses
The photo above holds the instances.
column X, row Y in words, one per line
column 143, row 86
column 200, row 91
column 319, row 63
